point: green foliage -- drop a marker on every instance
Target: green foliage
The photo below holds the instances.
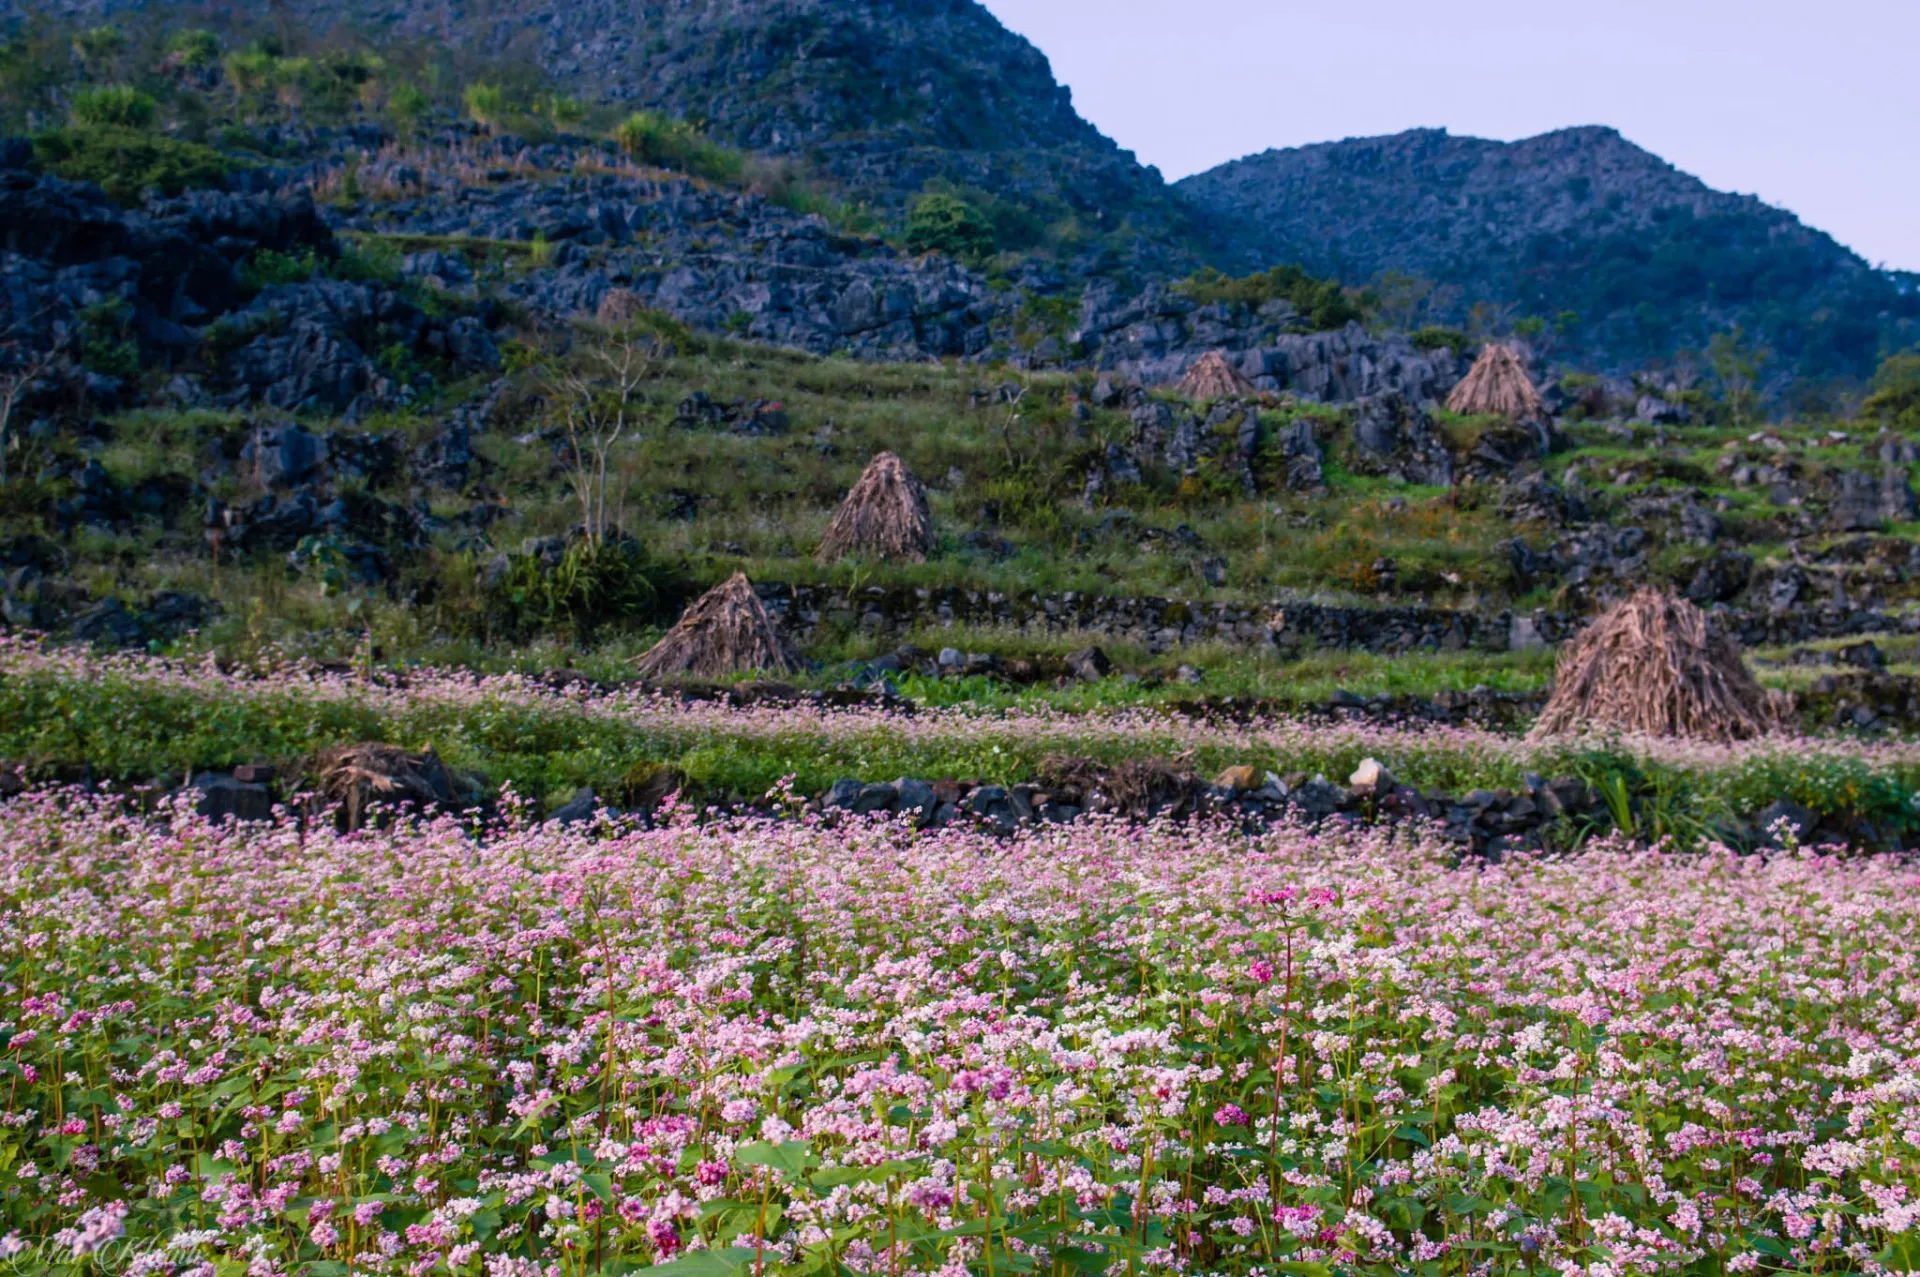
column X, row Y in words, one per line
column 115, row 107
column 407, row 105
column 128, row 162
column 99, row 49
column 648, row 137
column 1737, row 365
column 105, row 346
column 34, row 69
column 369, row 260
column 563, row 112
column 940, row 223
column 595, row 586
column 486, row 104
column 267, row 268
column 194, row 49
column 1436, row 338
column 1895, row 400
column 1322, row 304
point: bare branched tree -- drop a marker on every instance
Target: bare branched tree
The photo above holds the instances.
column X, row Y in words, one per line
column 15, row 384
column 599, row 407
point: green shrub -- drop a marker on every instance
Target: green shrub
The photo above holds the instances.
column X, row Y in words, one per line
column 194, row 49
column 648, row 137
column 127, row 162
column 368, row 261
column 114, row 106
column 1436, row 338
column 407, row 105
column 486, row 104
column 105, row 346
column 266, row 268
column 594, row 587
column 948, row 224
column 1322, row 303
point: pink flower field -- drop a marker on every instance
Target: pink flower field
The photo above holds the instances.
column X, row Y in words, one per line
column 779, row 1048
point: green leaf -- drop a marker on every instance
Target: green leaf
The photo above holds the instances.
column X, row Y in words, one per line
column 793, row 1157
column 708, row 1263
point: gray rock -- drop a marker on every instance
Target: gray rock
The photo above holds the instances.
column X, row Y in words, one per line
column 221, row 797
column 583, row 807
column 874, row 798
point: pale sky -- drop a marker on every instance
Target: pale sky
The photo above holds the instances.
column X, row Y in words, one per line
column 1813, row 105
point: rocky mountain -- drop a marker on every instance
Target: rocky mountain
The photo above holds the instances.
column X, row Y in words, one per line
column 1647, row 258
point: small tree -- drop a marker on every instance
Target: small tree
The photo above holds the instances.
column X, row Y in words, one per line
column 15, row 386
column 100, row 50
column 407, row 105
column 948, row 224
column 487, row 105
column 1737, row 365
column 598, row 408
column 1896, row 391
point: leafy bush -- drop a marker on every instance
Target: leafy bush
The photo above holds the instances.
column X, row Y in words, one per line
column 128, row 162
column 1436, row 338
column 948, row 224
column 194, row 49
column 1322, row 303
column 267, row 268
column 649, row 137
column 105, row 346
column 594, row 586
column 368, row 261
column 114, row 106
column 486, row 104
column 407, row 105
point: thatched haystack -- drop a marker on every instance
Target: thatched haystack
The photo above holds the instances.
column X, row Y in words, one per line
column 1212, row 377
column 1658, row 666
column 726, row 631
column 1498, row 386
column 353, row 779
column 885, row 516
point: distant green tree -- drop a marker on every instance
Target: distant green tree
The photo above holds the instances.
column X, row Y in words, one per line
column 100, row 50
column 193, row 49
column 947, row 224
column 1737, row 365
column 1896, row 391
column 486, row 105
column 408, row 105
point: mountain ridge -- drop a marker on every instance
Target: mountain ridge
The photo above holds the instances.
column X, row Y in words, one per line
column 1577, row 219
column 1627, row 256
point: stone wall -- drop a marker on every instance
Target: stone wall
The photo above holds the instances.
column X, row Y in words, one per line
column 1161, row 625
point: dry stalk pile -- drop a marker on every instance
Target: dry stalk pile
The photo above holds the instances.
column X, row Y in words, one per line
column 355, row 778
column 1212, row 377
column 1657, row 665
column 885, row 516
column 1499, row 386
column 725, row 631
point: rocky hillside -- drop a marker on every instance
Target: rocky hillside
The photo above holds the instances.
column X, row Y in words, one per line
column 885, row 97
column 1649, row 259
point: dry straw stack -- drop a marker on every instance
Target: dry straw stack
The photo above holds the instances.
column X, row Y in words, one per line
column 1658, row 666
column 1498, row 386
column 885, row 516
column 1212, row 378
column 726, row 631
